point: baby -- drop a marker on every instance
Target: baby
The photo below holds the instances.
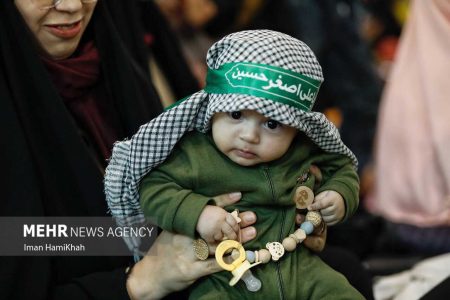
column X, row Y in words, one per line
column 250, row 130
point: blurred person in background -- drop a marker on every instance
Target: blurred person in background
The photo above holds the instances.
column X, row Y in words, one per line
column 74, row 78
column 412, row 184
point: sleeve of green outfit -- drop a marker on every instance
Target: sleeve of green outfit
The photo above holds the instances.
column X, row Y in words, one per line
column 166, row 197
column 339, row 175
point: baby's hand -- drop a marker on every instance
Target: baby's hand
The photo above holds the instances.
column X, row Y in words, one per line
column 331, row 206
column 215, row 223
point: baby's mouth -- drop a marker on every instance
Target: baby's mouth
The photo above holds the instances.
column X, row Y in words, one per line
column 245, row 154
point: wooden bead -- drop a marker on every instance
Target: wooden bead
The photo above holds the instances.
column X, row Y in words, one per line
column 300, row 234
column 276, row 250
column 307, row 226
column 201, row 249
column 250, row 256
column 295, row 238
column 314, row 217
column 263, row 256
column 289, row 244
column 303, row 197
column 235, row 254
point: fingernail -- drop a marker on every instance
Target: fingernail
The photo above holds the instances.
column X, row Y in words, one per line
column 235, row 196
column 249, row 218
column 250, row 232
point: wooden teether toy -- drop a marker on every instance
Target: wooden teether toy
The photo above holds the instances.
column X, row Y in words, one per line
column 244, row 260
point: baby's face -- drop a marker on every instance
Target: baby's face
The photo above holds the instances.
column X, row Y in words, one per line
column 249, row 138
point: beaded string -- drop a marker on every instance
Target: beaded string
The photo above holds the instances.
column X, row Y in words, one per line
column 246, row 259
column 275, row 250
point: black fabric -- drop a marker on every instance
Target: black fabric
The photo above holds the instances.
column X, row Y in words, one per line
column 227, row 13
column 167, row 52
column 165, row 47
column 49, row 167
column 350, row 266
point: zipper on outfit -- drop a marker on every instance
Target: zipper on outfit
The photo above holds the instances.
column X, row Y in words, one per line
column 283, row 215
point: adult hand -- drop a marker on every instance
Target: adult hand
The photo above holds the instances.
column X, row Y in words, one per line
column 171, row 265
column 315, row 241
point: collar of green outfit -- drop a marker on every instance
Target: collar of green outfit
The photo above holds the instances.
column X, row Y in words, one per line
column 264, row 81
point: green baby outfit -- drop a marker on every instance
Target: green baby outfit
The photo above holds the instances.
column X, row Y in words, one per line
column 175, row 193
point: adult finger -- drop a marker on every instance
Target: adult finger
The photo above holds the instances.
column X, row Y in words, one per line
column 206, row 267
column 227, row 199
column 247, row 234
column 299, row 219
column 316, row 241
column 247, row 218
column 212, row 248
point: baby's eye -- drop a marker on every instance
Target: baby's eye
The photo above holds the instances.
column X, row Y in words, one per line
column 236, row 115
column 272, row 124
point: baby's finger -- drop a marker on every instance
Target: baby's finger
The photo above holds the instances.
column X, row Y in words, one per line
column 328, row 211
column 320, row 201
column 232, row 222
column 329, row 220
column 229, row 232
column 218, row 236
column 318, row 204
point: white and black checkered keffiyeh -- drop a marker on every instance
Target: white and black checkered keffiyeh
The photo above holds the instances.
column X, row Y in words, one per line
column 151, row 145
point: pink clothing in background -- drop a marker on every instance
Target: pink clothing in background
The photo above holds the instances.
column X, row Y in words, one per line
column 413, row 138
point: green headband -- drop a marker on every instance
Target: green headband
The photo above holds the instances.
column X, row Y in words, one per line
column 264, row 81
